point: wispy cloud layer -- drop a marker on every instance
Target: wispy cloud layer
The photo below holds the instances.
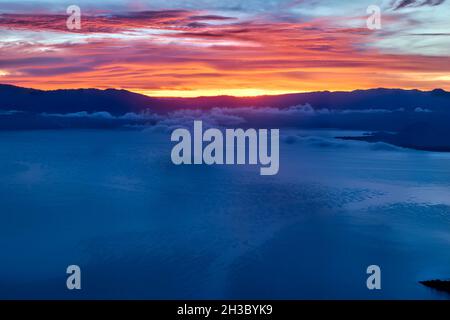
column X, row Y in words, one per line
column 204, row 48
column 399, row 4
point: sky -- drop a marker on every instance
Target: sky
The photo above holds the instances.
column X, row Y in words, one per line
column 191, row 48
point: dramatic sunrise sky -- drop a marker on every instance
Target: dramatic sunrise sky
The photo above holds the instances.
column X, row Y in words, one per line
column 213, row 47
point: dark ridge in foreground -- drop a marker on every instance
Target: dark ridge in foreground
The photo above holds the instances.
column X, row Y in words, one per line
column 419, row 136
column 441, row 285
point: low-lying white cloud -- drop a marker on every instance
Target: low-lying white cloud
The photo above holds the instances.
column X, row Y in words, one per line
column 419, row 109
column 219, row 117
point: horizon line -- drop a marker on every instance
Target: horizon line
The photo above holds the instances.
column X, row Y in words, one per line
column 270, row 93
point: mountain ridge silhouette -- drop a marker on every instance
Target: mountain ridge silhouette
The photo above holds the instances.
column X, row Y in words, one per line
column 120, row 101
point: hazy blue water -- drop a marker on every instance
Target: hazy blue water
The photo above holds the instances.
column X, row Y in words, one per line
column 140, row 227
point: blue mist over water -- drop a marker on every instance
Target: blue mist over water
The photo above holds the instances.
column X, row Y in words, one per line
column 139, row 227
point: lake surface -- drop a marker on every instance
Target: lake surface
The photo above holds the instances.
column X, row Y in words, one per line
column 141, row 228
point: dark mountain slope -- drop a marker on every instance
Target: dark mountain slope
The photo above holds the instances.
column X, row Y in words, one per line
column 121, row 101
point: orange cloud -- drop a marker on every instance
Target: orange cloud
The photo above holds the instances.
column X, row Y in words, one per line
column 183, row 53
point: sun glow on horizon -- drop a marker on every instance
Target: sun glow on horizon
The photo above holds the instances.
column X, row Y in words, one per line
column 247, row 92
column 198, row 51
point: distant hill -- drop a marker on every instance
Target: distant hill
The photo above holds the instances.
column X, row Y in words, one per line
column 418, row 135
column 65, row 101
column 408, row 118
column 119, row 102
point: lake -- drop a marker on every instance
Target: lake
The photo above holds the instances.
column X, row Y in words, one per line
column 140, row 227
